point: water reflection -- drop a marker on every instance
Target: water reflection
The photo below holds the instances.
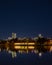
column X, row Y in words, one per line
column 25, row 59
column 25, row 45
column 14, row 54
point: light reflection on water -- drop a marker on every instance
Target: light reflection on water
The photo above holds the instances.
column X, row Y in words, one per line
column 25, row 59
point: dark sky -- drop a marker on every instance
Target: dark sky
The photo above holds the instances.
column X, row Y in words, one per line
column 25, row 17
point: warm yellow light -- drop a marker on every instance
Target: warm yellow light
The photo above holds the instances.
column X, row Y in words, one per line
column 26, row 43
column 22, row 47
column 18, row 43
column 31, row 43
column 17, row 47
column 30, row 47
column 51, row 49
column 50, row 41
column 25, row 47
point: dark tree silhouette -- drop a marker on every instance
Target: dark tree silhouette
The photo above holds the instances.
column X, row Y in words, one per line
column 40, row 43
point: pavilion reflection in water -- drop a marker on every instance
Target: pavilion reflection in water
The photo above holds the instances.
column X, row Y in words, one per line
column 25, row 45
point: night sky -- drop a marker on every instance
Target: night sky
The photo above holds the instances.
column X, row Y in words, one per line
column 25, row 17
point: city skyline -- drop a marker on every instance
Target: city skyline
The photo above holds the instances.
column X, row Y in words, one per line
column 15, row 35
column 26, row 18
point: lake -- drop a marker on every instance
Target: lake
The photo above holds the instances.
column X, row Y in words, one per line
column 25, row 59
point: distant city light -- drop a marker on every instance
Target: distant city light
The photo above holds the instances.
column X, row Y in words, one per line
column 35, row 45
column 40, row 54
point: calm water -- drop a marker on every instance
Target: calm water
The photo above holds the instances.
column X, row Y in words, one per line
column 25, row 59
